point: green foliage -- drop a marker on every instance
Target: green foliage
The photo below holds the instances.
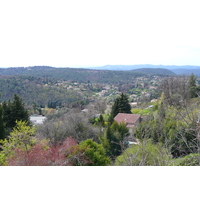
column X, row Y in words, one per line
column 100, row 121
column 121, row 105
column 136, row 110
column 145, row 154
column 21, row 137
column 139, row 111
column 38, row 91
column 18, row 110
column 171, row 127
column 95, row 152
column 2, row 129
column 192, row 86
column 189, row 160
column 76, row 74
column 156, row 71
column 114, row 139
column 14, row 111
column 3, row 161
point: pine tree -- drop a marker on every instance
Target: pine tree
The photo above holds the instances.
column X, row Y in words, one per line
column 121, row 105
column 18, row 110
column 124, row 106
column 2, row 132
column 100, row 121
column 192, row 86
column 14, row 111
column 7, row 115
column 115, row 108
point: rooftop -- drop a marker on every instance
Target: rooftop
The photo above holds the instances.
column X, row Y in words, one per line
column 127, row 118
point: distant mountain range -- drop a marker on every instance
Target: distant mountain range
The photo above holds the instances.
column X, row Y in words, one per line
column 179, row 70
column 102, row 72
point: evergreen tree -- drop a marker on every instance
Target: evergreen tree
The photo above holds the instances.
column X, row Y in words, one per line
column 14, row 111
column 114, row 139
column 115, row 108
column 95, row 153
column 121, row 105
column 124, row 106
column 100, row 121
column 7, row 116
column 18, row 110
column 192, row 86
column 2, row 132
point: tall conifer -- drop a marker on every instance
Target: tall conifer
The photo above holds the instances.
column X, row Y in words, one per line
column 121, row 105
column 2, row 132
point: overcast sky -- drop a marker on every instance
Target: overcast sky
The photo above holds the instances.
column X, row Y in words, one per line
column 63, row 33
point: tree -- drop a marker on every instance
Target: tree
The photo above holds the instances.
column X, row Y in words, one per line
column 114, row 139
column 73, row 124
column 100, row 121
column 174, row 128
column 94, row 152
column 22, row 148
column 2, row 131
column 189, row 160
column 14, row 111
column 18, row 110
column 121, row 105
column 192, row 86
column 145, row 154
column 175, row 89
column 7, row 116
column 42, row 154
column 21, row 138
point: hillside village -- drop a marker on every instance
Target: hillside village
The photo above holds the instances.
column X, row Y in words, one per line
column 99, row 123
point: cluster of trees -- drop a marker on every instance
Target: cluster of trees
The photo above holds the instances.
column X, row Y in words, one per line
column 173, row 122
column 38, row 92
column 121, row 105
column 114, row 139
column 10, row 112
column 83, row 75
column 69, row 140
column 103, row 131
column 23, row 148
column 179, row 89
column 168, row 135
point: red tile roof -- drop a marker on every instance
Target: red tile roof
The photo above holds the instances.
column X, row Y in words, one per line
column 127, row 118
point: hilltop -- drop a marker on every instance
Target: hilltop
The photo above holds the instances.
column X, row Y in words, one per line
column 83, row 74
column 179, row 70
column 155, row 71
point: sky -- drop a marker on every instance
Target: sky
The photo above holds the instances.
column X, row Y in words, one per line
column 74, row 33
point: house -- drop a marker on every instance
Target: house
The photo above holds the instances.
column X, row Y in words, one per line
column 37, row 119
column 133, row 104
column 131, row 120
column 154, row 100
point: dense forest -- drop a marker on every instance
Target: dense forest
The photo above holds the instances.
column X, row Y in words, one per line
column 37, row 91
column 81, row 127
column 83, row 75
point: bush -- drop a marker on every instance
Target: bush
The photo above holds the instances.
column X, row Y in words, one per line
column 95, row 153
column 189, row 160
column 145, row 154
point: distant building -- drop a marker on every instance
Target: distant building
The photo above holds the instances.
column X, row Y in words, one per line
column 37, row 119
column 154, row 100
column 131, row 120
column 133, row 104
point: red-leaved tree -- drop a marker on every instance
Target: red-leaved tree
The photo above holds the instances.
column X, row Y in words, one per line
column 41, row 154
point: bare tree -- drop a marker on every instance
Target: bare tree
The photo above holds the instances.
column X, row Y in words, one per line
column 73, row 124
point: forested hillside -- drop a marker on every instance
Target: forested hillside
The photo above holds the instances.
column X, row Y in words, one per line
column 37, row 92
column 155, row 71
column 80, row 107
column 82, row 75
